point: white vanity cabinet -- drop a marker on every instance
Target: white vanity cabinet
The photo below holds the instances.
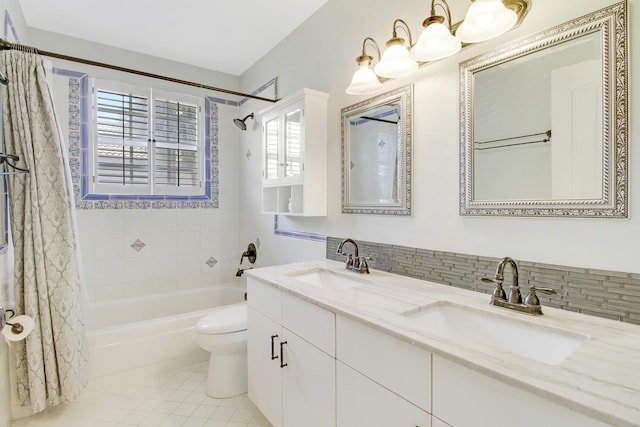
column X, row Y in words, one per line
column 381, row 380
column 290, row 358
column 466, row 398
column 294, row 155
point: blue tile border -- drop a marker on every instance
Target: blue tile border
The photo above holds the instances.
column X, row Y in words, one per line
column 79, row 103
column 8, row 25
column 296, row 234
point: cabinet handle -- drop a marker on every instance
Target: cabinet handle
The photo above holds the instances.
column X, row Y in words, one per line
column 273, row 355
column 282, row 364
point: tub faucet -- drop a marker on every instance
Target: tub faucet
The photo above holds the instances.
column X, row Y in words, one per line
column 251, row 254
column 514, row 301
column 354, row 262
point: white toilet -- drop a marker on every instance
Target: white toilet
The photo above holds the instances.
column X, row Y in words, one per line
column 223, row 332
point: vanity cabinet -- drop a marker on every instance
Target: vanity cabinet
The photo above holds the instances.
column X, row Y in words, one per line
column 391, row 379
column 294, row 155
column 466, row 398
column 290, row 358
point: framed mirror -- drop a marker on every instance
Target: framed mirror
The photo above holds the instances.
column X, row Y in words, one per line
column 544, row 123
column 376, row 154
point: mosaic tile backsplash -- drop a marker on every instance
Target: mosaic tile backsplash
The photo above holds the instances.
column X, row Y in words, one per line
column 610, row 294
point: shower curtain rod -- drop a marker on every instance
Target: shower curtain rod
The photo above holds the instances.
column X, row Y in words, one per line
column 5, row 45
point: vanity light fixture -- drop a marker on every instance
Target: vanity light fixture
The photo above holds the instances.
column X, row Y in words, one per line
column 486, row 19
column 364, row 80
column 396, row 61
column 436, row 41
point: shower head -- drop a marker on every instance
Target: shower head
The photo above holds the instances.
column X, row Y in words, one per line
column 241, row 122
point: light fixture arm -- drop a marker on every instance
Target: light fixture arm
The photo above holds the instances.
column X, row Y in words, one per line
column 444, row 7
column 405, row 27
column 373, row 43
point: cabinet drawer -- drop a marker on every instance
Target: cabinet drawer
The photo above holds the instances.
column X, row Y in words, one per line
column 313, row 323
column 264, row 298
column 397, row 365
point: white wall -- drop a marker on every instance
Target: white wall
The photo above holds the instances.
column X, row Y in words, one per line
column 320, row 55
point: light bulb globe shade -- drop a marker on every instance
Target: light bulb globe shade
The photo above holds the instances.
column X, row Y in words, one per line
column 395, row 62
column 485, row 20
column 364, row 81
column 435, row 42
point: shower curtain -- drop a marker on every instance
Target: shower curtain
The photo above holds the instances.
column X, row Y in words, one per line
column 52, row 361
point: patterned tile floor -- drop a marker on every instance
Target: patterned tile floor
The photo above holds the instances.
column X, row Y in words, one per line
column 175, row 399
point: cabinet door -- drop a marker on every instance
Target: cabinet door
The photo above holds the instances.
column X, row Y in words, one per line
column 270, row 148
column 265, row 384
column 308, row 384
column 364, row 403
column 292, row 146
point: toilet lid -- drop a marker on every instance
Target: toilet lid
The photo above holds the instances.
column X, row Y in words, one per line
column 223, row 320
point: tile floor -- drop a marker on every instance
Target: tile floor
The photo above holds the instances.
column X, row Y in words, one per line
column 175, row 399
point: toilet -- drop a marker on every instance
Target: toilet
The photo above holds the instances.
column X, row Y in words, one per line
column 223, row 333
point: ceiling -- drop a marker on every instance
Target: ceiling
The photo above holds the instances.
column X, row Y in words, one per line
column 223, row 35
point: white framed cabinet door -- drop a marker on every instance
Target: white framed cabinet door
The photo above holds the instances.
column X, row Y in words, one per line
column 264, row 372
column 361, row 402
column 308, row 384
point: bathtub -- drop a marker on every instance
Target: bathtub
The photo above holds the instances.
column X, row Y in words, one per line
column 139, row 337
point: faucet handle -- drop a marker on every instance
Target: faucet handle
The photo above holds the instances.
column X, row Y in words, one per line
column 532, row 298
column 349, row 260
column 498, row 292
column 364, row 266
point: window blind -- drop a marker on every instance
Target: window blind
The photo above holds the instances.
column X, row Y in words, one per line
column 122, row 138
column 176, row 136
column 147, row 141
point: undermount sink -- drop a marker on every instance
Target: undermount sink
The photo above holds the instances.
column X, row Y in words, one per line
column 324, row 278
column 464, row 324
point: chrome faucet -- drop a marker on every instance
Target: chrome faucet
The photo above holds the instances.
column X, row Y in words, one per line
column 354, row 262
column 498, row 297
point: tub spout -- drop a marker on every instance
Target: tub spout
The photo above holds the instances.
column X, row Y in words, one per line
column 241, row 270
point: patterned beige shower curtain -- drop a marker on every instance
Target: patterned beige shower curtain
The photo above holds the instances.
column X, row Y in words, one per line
column 52, row 361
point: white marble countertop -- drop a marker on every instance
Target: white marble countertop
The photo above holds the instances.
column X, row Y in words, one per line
column 600, row 379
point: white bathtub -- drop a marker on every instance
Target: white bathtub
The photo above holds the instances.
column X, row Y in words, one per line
column 139, row 337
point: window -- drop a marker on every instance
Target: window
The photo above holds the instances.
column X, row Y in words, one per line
column 146, row 141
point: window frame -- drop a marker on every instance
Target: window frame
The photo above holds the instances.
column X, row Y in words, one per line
column 151, row 189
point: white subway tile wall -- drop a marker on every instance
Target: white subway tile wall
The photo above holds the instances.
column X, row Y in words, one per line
column 176, row 247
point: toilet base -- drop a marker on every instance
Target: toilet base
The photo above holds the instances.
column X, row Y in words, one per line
column 227, row 375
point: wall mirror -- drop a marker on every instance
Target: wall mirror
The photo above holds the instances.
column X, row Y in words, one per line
column 544, row 123
column 376, row 154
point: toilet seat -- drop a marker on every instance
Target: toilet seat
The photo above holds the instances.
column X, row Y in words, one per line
column 223, row 320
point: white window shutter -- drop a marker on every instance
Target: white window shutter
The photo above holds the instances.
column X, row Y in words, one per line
column 176, row 137
column 122, row 138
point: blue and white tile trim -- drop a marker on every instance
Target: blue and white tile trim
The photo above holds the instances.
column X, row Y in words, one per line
column 296, row 234
column 79, row 158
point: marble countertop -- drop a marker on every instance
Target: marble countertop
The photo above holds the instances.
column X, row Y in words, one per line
column 600, row 379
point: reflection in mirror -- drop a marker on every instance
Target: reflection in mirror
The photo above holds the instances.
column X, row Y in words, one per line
column 544, row 131
column 376, row 146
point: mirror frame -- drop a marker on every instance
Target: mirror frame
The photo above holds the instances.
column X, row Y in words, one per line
column 404, row 96
column 611, row 23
